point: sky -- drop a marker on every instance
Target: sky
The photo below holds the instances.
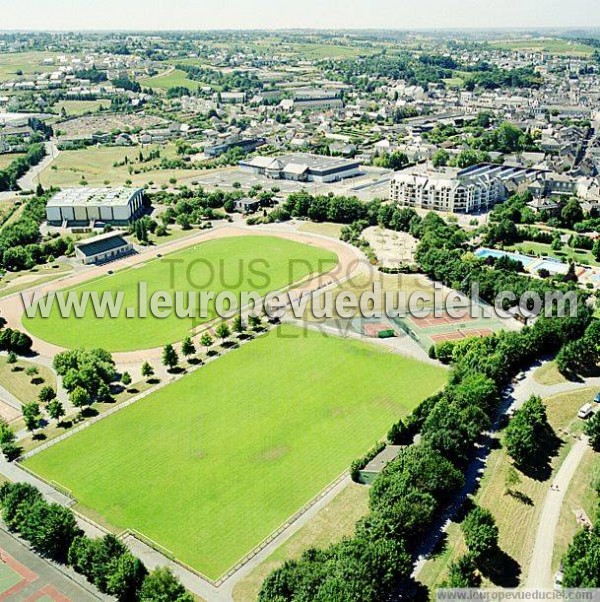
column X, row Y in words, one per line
column 289, row 14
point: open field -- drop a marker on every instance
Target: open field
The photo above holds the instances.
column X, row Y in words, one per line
column 579, row 256
column 7, row 158
column 246, row 263
column 80, row 107
column 171, row 78
column 230, row 451
column 548, row 45
column 96, row 166
column 333, row 522
column 522, row 509
column 29, row 63
column 15, row 282
column 24, row 388
column 322, row 228
column 6, row 210
column 319, row 52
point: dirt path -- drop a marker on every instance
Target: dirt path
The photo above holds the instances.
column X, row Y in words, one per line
column 540, row 568
column 11, row 307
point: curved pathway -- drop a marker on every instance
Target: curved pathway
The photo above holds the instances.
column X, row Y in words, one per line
column 540, row 568
column 522, row 391
column 30, row 180
column 349, row 258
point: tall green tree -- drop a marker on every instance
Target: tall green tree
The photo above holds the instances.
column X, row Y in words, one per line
column 170, row 357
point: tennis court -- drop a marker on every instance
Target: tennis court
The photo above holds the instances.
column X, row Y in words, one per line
column 452, row 324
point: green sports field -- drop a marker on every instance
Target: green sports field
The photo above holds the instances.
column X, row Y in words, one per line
column 170, row 79
column 213, row 463
column 243, row 263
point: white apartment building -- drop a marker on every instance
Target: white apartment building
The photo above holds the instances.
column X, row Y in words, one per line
column 476, row 188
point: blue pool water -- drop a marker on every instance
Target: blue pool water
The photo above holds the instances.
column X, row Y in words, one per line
column 524, row 259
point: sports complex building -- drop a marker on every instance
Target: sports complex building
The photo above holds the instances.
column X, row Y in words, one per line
column 303, row 167
column 86, row 206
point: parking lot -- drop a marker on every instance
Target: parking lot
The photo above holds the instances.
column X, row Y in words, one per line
column 374, row 183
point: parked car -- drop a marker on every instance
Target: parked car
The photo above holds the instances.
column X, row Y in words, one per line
column 558, row 580
column 597, row 398
column 521, row 376
column 585, row 411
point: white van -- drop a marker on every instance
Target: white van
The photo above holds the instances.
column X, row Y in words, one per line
column 585, row 411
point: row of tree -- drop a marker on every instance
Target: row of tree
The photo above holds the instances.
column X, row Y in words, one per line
column 416, row 486
column 20, row 166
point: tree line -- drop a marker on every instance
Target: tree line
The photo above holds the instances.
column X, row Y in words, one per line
column 20, row 166
column 106, row 562
column 415, row 487
column 20, row 244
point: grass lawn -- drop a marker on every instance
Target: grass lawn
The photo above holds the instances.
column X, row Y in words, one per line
column 7, row 208
column 579, row 256
column 15, row 282
column 324, row 228
column 548, row 374
column 169, row 79
column 21, row 385
column 80, row 107
column 29, row 63
column 364, row 282
column 7, row 158
column 96, row 166
column 213, row 463
column 517, row 519
column 227, row 264
column 53, row 430
column 548, row 45
column 334, row 521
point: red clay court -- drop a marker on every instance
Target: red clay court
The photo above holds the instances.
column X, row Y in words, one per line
column 25, row 577
column 432, row 321
column 460, row 334
column 373, row 329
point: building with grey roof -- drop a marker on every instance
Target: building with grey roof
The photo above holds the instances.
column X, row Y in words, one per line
column 303, row 167
column 103, row 248
column 86, row 206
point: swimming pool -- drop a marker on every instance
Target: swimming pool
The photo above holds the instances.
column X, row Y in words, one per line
column 554, row 267
column 524, row 259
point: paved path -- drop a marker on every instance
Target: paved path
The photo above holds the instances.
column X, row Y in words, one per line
column 522, row 391
column 540, row 568
column 7, row 397
column 30, row 180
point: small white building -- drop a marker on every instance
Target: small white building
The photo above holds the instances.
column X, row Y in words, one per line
column 103, row 248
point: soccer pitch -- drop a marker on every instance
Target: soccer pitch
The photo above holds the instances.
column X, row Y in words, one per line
column 236, row 264
column 212, row 464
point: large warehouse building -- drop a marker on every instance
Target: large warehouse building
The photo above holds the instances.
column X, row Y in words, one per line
column 85, row 206
column 303, row 167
